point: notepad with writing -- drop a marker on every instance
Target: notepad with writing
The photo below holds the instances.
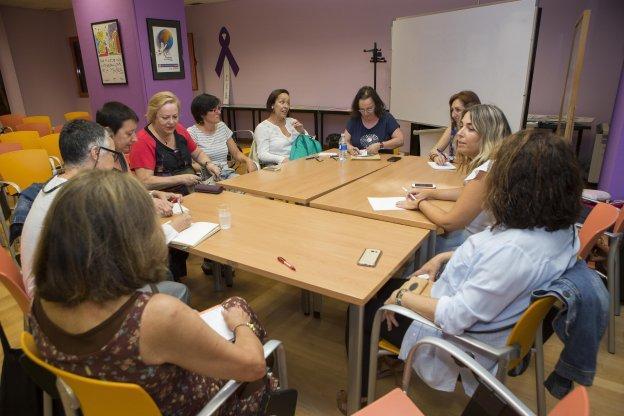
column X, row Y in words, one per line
column 195, row 234
column 385, row 204
column 446, row 166
column 179, row 209
column 214, row 318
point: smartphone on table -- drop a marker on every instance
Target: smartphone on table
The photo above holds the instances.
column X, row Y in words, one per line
column 394, row 158
column 369, row 257
column 423, row 185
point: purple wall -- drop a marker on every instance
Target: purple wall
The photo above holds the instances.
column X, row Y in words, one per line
column 42, row 59
column 171, row 10
column 133, row 28
column 323, row 63
column 612, row 175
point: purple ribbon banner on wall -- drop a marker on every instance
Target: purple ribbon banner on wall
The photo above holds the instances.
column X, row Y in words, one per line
column 224, row 41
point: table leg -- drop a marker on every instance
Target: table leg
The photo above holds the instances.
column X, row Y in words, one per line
column 253, row 119
column 305, row 301
column 317, row 304
column 579, row 139
column 316, row 127
column 322, row 134
column 356, row 329
column 217, row 275
column 427, row 249
column 234, row 120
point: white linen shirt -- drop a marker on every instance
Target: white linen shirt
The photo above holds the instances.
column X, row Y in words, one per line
column 272, row 145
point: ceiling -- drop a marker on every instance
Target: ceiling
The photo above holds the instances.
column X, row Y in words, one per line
column 66, row 4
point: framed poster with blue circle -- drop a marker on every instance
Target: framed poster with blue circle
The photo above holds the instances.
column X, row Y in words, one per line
column 165, row 45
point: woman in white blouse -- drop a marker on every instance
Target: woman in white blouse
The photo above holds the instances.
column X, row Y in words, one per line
column 483, row 127
column 274, row 136
column 533, row 193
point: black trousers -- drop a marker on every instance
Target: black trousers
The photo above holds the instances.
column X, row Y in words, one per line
column 395, row 336
column 177, row 263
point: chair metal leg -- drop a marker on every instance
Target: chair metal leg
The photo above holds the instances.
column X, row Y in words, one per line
column 618, row 281
column 539, row 372
column 305, row 302
column 374, row 351
column 317, row 304
column 47, row 404
column 611, row 278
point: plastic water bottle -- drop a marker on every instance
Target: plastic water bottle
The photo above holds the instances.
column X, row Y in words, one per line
column 342, row 148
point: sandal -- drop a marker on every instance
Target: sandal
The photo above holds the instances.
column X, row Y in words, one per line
column 341, row 401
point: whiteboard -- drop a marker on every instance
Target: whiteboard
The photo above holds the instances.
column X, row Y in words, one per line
column 486, row 49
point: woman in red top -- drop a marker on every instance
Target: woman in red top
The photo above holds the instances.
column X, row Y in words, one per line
column 163, row 154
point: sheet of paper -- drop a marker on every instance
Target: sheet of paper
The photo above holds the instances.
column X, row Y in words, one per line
column 367, row 157
column 176, row 209
column 385, row 204
column 446, row 166
column 214, row 318
column 363, row 152
column 328, row 154
column 195, row 234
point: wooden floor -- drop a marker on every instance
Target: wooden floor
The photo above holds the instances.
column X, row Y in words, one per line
column 316, row 356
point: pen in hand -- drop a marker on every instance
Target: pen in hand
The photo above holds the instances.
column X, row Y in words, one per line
column 409, row 195
column 442, row 154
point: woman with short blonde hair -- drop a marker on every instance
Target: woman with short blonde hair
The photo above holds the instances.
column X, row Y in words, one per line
column 164, row 152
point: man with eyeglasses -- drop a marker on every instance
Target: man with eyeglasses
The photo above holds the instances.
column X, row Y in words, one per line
column 84, row 145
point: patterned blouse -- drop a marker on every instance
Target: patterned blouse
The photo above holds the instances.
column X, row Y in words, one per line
column 97, row 354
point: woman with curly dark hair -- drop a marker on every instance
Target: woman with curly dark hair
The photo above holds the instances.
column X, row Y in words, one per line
column 533, row 194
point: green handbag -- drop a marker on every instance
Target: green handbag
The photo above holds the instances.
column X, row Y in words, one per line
column 303, row 146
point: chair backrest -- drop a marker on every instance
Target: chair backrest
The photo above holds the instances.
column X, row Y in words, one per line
column 28, row 139
column 39, row 119
column 523, row 333
column 11, row 120
column 24, row 167
column 575, row 403
column 11, row 278
column 601, row 218
column 253, row 153
column 74, row 115
column 9, row 147
column 50, row 143
column 97, row 397
column 41, row 128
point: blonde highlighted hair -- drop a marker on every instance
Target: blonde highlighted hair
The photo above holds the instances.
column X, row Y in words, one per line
column 157, row 101
column 491, row 124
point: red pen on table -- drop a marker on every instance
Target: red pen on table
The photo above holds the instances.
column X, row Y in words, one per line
column 285, row 263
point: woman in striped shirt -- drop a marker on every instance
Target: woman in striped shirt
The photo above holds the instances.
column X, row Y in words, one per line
column 214, row 137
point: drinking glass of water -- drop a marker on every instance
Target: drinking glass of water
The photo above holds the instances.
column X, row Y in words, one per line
column 225, row 216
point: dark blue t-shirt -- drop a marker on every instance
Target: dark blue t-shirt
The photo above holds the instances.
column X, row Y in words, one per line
column 361, row 137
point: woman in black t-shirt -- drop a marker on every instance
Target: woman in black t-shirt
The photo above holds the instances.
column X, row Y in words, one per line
column 371, row 126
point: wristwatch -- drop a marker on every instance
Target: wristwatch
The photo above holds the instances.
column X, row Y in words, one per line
column 399, row 297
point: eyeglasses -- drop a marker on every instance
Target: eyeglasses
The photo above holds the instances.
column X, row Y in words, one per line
column 367, row 110
column 116, row 155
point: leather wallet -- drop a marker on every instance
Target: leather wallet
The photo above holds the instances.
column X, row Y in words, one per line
column 208, row 189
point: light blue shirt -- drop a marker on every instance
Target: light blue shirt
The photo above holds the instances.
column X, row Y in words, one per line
column 487, row 284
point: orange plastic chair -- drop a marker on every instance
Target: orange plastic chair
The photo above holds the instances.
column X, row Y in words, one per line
column 11, row 278
column 9, row 147
column 28, row 139
column 11, row 120
column 39, row 119
column 575, row 403
column 41, row 128
column 24, row 167
column 394, row 403
column 600, row 219
column 73, row 115
column 50, row 143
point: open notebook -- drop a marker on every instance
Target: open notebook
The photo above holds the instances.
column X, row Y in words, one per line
column 214, row 318
column 195, row 234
